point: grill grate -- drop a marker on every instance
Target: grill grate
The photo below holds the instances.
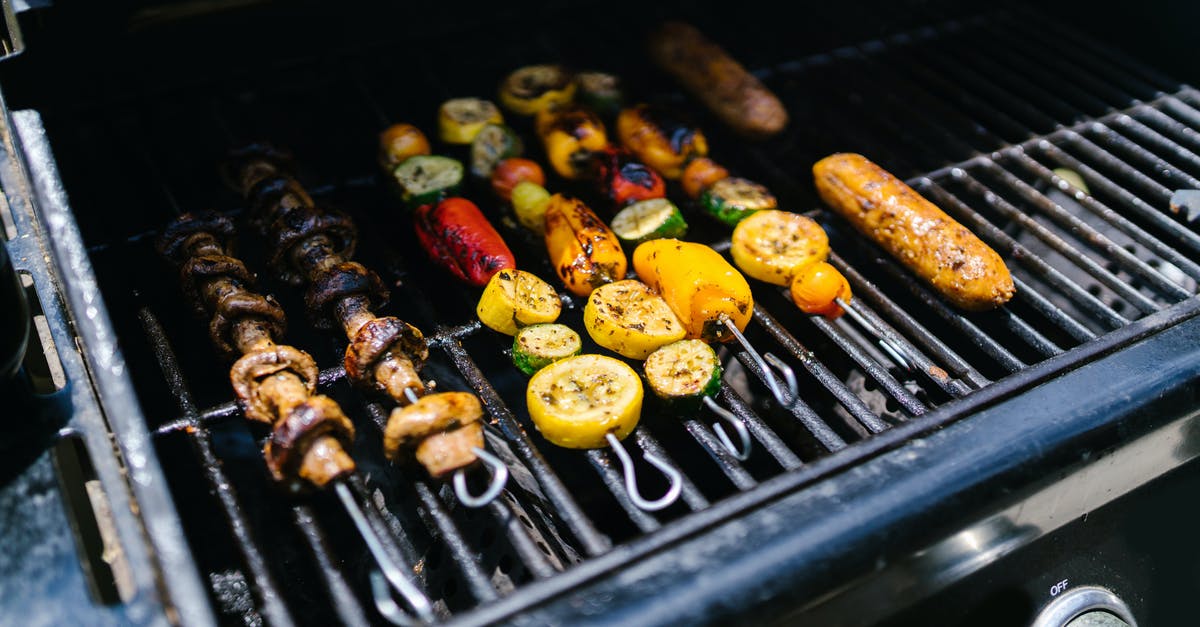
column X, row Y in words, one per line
column 1009, row 116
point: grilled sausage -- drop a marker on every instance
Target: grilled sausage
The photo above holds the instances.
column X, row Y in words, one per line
column 933, row 245
column 716, row 79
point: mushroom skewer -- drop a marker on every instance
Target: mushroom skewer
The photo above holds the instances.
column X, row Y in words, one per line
column 314, row 246
column 275, row 383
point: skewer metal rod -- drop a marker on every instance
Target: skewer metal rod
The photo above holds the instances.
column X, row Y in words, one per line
column 387, row 566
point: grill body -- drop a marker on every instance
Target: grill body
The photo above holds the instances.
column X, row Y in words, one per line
column 887, row 495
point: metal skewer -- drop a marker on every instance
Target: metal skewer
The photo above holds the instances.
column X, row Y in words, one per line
column 499, row 472
column 743, row 453
column 631, row 477
column 889, row 347
column 765, row 365
column 388, row 570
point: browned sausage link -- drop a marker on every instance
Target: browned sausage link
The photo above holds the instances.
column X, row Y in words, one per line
column 917, row 233
column 706, row 71
column 289, row 451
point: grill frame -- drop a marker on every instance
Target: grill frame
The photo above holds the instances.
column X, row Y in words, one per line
column 942, row 416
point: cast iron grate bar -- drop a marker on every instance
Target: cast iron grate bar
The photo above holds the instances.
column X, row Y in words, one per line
column 1039, row 267
column 688, row 492
column 345, row 603
column 932, row 343
column 1129, row 262
column 844, row 395
column 1134, row 204
column 571, row 514
column 725, row 460
column 773, row 444
column 1142, row 134
column 465, row 560
column 984, row 341
column 1058, row 244
column 261, row 579
column 270, row 599
column 1166, row 125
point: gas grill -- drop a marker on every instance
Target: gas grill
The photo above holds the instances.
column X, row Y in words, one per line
column 937, row 467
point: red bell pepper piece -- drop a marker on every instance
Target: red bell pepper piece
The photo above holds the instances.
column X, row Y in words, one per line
column 457, row 236
column 625, row 180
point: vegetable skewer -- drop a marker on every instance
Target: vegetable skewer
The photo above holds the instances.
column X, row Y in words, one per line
column 732, row 200
column 650, row 199
column 514, row 299
column 625, row 180
column 275, row 383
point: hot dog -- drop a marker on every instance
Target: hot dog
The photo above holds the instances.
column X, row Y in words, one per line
column 716, row 79
column 916, row 232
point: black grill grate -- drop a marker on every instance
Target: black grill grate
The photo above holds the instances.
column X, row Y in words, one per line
column 1006, row 116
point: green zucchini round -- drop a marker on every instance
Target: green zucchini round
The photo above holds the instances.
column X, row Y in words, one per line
column 539, row 345
column 731, row 199
column 684, row 372
column 425, row 179
column 649, row 219
column 493, row 144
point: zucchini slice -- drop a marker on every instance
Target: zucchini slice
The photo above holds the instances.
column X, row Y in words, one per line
column 648, row 219
column 539, row 345
column 575, row 402
column 628, row 318
column 425, row 179
column 494, row 143
column 773, row 245
column 461, row 119
column 516, row 298
column 601, row 92
column 731, row 199
column 684, row 372
column 532, row 88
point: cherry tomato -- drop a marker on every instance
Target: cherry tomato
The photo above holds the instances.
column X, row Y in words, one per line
column 514, row 170
column 399, row 142
column 699, row 174
column 815, row 287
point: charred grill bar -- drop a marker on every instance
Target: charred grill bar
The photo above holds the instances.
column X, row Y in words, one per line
column 1095, row 273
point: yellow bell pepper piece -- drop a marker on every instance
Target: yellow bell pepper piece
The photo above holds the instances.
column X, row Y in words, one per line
column 583, row 250
column 570, row 134
column 701, row 287
column 532, row 88
column 461, row 119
